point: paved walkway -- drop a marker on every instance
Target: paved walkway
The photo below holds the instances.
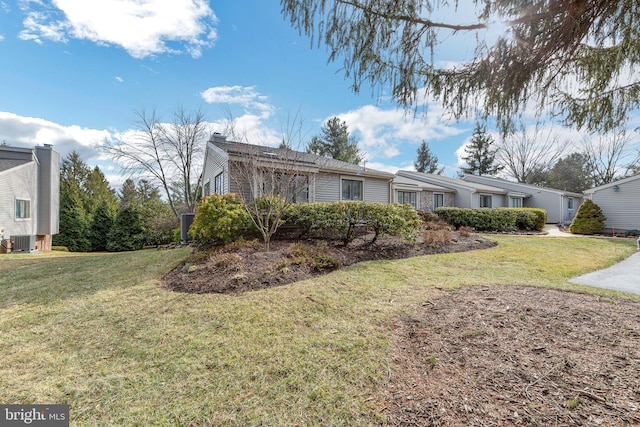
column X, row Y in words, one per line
column 623, row 276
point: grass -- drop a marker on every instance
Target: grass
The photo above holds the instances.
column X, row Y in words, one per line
column 98, row 333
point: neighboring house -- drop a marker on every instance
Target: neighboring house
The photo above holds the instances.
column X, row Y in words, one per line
column 317, row 178
column 421, row 195
column 29, row 197
column 620, row 203
column 561, row 206
column 469, row 194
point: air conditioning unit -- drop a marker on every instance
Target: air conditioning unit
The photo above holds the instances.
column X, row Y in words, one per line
column 23, row 243
column 185, row 222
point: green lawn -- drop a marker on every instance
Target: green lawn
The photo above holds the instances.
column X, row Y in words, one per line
column 97, row 332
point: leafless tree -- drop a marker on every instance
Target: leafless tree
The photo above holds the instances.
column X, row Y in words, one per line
column 168, row 153
column 269, row 179
column 527, row 154
column 609, row 156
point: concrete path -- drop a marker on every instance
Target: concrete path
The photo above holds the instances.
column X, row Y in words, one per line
column 623, row 276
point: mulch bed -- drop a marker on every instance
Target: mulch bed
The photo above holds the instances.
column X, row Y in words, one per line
column 246, row 267
column 508, row 355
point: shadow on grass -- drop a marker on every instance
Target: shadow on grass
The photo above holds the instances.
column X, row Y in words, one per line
column 46, row 279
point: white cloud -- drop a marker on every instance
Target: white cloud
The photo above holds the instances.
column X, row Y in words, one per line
column 245, row 96
column 29, row 131
column 141, row 27
column 119, row 79
column 1, row 38
column 382, row 133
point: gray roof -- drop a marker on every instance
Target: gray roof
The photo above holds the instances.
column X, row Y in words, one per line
column 298, row 157
column 500, row 181
column 6, row 164
column 446, row 181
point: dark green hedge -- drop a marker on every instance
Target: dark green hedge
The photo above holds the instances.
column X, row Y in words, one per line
column 530, row 219
column 481, row 219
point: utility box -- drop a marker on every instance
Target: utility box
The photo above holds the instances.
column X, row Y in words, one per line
column 185, row 222
column 23, row 243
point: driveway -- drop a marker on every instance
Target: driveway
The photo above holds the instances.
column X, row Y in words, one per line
column 623, row 276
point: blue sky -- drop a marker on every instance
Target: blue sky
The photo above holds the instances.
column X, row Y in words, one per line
column 74, row 72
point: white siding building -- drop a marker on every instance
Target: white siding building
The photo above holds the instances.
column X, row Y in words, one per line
column 620, row 203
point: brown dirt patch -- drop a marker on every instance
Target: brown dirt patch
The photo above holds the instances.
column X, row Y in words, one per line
column 503, row 356
column 245, row 267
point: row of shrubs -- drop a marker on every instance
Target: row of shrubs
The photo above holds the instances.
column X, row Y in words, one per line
column 223, row 218
column 499, row 219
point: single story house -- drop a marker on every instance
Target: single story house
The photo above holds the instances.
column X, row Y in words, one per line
column 561, row 206
column 254, row 170
column 469, row 194
column 620, row 203
column 421, row 195
column 29, row 197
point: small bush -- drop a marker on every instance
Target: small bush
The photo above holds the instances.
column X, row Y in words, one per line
column 465, row 231
column 588, row 220
column 60, row 248
column 529, row 219
column 219, row 218
column 317, row 257
column 342, row 219
column 436, row 238
column 481, row 219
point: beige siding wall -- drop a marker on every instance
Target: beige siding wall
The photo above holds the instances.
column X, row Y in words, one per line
column 622, row 207
column 327, row 187
column 216, row 162
column 20, row 182
column 376, row 190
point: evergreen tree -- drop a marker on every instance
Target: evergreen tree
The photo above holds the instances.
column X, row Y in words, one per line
column 571, row 173
column 100, row 227
column 335, row 142
column 74, row 227
column 588, row 220
column 98, row 192
column 427, row 162
column 547, row 49
column 480, row 155
column 127, row 233
column 128, row 194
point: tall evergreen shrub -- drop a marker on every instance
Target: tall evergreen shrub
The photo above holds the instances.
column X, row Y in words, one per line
column 588, row 220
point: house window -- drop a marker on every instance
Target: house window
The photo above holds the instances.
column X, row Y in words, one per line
column 292, row 187
column 206, row 189
column 351, row 189
column 23, row 209
column 438, row 200
column 218, row 183
column 485, row 200
column 407, row 197
column 515, row 202
column 570, row 203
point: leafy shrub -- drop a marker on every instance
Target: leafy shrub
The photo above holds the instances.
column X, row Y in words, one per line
column 482, row 219
column 60, row 248
column 436, row 238
column 219, row 218
column 588, row 220
column 343, row 218
column 530, row 219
